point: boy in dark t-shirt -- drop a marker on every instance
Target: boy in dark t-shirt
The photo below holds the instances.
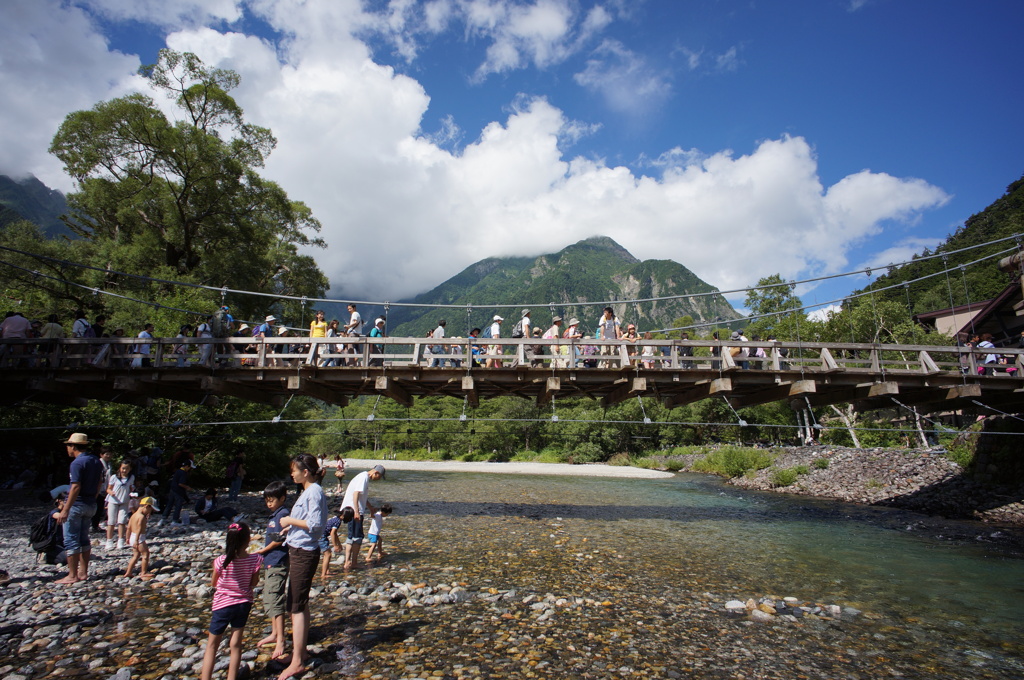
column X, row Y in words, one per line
column 275, row 560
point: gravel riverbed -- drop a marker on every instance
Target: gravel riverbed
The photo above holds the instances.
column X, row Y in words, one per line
column 505, row 596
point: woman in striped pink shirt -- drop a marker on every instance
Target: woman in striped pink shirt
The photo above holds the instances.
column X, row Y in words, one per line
column 235, row 574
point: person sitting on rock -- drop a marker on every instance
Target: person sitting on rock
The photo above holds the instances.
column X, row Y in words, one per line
column 206, row 508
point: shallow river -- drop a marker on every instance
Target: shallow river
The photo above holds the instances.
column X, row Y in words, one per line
column 657, row 559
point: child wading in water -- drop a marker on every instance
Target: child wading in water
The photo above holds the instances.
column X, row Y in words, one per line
column 235, row 574
column 329, row 541
column 376, row 551
column 137, row 537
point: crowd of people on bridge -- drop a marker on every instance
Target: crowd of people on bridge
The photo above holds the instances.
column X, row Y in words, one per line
column 579, row 354
column 440, row 349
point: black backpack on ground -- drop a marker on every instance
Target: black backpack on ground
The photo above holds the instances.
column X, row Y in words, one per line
column 41, row 536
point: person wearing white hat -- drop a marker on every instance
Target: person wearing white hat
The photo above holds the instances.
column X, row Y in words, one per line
column 86, row 475
column 609, row 328
column 554, row 333
column 522, row 329
column 572, row 332
column 437, row 350
column 377, row 332
column 265, row 329
column 494, row 349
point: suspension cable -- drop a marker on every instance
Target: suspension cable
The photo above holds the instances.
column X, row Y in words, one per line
column 223, row 290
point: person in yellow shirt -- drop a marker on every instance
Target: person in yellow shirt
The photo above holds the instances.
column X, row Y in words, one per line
column 317, row 329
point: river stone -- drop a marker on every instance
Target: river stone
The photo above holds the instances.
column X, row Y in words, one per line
column 761, row 616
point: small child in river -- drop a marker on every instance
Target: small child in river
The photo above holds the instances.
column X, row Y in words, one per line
column 329, row 541
column 137, row 537
column 235, row 575
column 376, row 551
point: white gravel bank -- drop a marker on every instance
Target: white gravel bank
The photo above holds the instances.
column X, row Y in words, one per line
column 507, row 468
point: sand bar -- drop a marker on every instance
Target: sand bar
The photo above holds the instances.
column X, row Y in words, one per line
column 595, row 470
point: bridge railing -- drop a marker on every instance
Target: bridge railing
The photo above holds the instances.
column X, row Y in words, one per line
column 678, row 355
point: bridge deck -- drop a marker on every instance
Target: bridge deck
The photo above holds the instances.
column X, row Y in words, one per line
column 72, row 371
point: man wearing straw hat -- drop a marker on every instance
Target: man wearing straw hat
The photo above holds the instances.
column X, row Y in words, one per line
column 76, row 517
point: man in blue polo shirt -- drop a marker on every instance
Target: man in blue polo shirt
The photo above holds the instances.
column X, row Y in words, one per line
column 76, row 517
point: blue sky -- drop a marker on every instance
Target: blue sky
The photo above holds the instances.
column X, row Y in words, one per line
column 741, row 139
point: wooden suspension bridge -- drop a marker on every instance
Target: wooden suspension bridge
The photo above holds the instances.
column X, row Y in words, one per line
column 335, row 370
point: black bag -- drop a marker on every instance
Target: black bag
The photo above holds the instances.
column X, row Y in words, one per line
column 40, row 536
column 517, row 331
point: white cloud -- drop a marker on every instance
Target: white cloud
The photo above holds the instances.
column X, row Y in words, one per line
column 693, row 58
column 824, row 313
column 53, row 63
column 538, row 33
column 729, row 60
column 902, row 251
column 402, row 212
column 167, row 13
column 864, row 200
column 437, row 15
column 624, row 79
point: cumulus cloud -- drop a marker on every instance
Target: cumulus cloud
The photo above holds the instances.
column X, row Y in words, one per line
column 539, row 33
column 56, row 64
column 824, row 313
column 404, row 209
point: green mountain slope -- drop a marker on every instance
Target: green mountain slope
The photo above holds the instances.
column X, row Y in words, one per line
column 29, row 199
column 1004, row 217
column 596, row 269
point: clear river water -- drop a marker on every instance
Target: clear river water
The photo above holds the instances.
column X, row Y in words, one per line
column 662, row 556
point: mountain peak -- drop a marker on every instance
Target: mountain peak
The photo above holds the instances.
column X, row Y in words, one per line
column 571, row 282
column 603, row 243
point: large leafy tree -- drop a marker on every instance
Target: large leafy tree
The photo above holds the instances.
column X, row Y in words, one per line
column 776, row 308
column 175, row 197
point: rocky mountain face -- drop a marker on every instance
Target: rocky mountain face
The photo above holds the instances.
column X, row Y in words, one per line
column 594, row 270
column 29, row 199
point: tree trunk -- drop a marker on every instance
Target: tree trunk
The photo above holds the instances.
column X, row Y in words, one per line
column 849, row 425
column 920, row 430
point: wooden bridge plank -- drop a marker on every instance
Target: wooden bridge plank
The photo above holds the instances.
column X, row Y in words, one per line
column 87, row 390
column 469, row 389
column 390, row 388
column 701, row 390
column 552, row 385
column 780, row 392
column 865, row 374
column 240, row 390
column 630, row 388
column 307, row 387
column 162, row 390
